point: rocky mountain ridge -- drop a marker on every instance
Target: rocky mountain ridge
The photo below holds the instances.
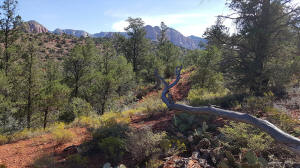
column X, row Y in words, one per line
column 152, row 33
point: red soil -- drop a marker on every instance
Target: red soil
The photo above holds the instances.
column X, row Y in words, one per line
column 24, row 153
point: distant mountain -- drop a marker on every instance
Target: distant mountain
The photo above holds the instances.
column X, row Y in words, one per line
column 152, row 33
column 34, row 27
column 107, row 34
column 174, row 36
column 197, row 39
column 77, row 33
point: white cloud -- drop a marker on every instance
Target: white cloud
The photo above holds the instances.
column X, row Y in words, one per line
column 119, row 26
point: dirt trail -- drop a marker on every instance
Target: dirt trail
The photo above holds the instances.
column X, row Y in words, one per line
column 24, row 153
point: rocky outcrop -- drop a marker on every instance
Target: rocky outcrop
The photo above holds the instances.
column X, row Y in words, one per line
column 77, row 33
column 108, row 34
column 191, row 42
column 34, row 27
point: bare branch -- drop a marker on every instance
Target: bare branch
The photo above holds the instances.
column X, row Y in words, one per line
column 279, row 136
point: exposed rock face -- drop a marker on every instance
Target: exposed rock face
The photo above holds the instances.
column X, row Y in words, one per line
column 197, row 40
column 34, row 27
column 152, row 33
column 174, row 36
column 77, row 33
column 108, row 34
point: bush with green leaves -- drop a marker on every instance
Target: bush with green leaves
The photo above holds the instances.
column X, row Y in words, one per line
column 172, row 146
column 201, row 96
column 76, row 108
column 254, row 105
column 188, row 124
column 113, row 148
column 142, row 144
column 60, row 134
column 207, row 74
column 117, row 130
column 76, row 161
column 241, row 136
column 152, row 105
column 3, row 139
column 246, row 160
column 282, row 120
column 44, row 161
column 110, row 141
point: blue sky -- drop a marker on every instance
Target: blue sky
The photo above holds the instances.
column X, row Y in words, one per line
column 190, row 17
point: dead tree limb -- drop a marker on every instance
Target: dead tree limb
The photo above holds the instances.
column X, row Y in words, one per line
column 279, row 136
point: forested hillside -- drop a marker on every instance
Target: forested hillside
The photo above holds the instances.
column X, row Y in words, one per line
column 96, row 102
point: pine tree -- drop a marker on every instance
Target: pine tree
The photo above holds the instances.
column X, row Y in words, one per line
column 25, row 81
column 113, row 77
column 53, row 95
column 260, row 55
column 168, row 53
column 9, row 23
column 137, row 44
column 78, row 66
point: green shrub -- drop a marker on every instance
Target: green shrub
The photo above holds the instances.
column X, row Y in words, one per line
column 200, row 96
column 61, row 135
column 3, row 166
column 143, row 143
column 76, row 161
column 253, row 105
column 44, row 161
column 282, row 120
column 113, row 148
column 87, row 121
column 154, row 163
column 241, row 136
column 116, row 130
column 78, row 107
column 152, row 105
column 3, row 139
column 112, row 118
column 171, row 146
column 109, row 140
column 187, row 124
column 246, row 160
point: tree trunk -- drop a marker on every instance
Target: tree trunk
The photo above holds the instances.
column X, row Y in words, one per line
column 279, row 136
column 45, row 117
column 29, row 98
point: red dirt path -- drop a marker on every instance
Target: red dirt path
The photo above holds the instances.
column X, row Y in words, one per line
column 24, row 153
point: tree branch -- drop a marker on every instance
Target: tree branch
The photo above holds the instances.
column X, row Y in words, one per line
column 279, row 136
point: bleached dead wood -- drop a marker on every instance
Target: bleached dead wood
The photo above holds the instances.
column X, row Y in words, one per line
column 279, row 136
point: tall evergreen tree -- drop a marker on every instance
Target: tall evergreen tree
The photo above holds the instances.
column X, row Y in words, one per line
column 78, row 66
column 168, row 53
column 25, row 80
column 113, row 75
column 262, row 51
column 53, row 95
column 137, row 43
column 9, row 23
